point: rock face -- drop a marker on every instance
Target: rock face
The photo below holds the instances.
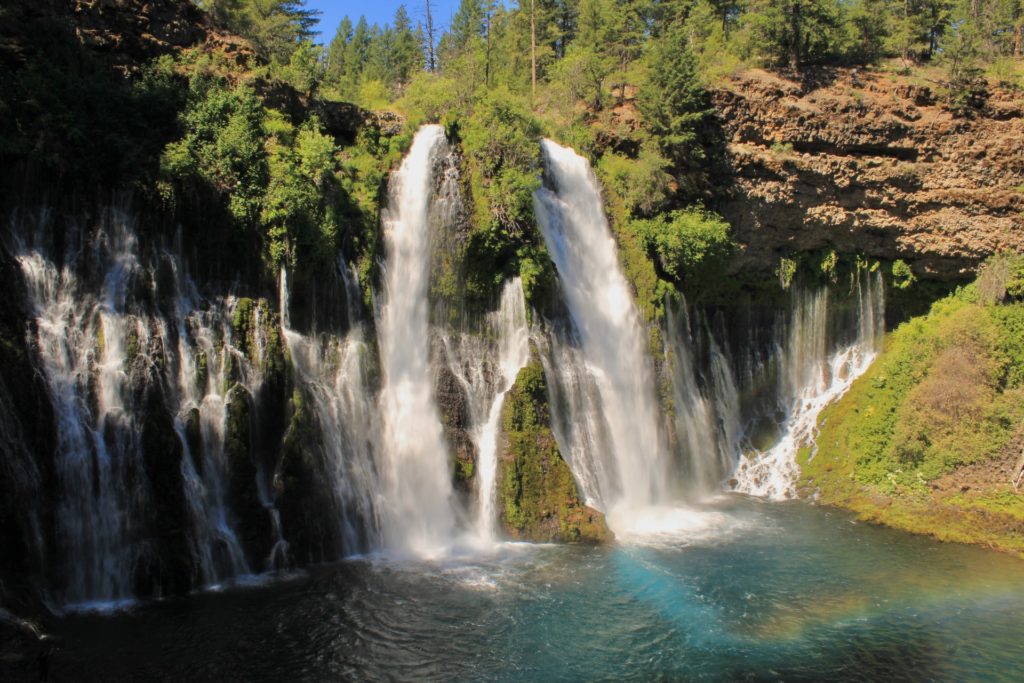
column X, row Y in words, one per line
column 869, row 163
column 538, row 499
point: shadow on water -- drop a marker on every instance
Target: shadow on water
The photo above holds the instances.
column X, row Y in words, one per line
column 760, row 592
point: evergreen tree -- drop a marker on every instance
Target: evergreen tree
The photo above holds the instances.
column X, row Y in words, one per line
column 337, row 51
column 672, row 101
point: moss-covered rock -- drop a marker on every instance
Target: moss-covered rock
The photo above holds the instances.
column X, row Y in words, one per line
column 538, row 497
column 254, row 524
column 309, row 514
column 455, row 417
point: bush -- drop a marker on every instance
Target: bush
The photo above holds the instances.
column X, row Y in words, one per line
column 688, row 243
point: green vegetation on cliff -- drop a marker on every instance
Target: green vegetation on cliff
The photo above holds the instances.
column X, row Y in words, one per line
column 930, row 438
column 537, row 495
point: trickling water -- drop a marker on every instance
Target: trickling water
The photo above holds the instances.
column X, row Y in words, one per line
column 418, row 514
column 203, row 350
column 332, row 374
column 486, row 368
column 94, row 512
column 706, row 416
column 610, row 333
column 104, row 348
column 811, row 377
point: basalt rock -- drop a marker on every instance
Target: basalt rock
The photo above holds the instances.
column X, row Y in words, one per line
column 455, row 417
column 869, row 163
column 538, row 499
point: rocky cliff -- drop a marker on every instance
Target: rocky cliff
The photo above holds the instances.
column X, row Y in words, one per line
column 871, row 163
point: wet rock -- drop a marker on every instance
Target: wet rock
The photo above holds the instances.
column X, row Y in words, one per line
column 254, row 519
column 537, row 495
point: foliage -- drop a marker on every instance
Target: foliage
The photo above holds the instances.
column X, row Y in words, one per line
column 643, row 183
column 690, row 244
column 672, row 101
column 902, row 276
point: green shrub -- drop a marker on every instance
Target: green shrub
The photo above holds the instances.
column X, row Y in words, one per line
column 689, row 243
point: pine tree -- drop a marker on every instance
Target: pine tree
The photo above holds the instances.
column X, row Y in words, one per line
column 672, row 100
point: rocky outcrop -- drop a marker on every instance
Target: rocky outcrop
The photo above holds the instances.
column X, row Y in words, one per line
column 537, row 495
column 456, row 420
column 870, row 163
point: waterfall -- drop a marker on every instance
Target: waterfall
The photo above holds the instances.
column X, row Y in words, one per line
column 629, row 466
column 510, row 329
column 118, row 340
column 203, row 378
column 707, row 421
column 418, row 514
column 817, row 365
column 486, row 365
column 332, row 373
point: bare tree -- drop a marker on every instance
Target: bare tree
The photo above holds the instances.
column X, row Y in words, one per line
column 431, row 59
column 533, row 49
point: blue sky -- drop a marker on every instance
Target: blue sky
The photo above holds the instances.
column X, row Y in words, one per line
column 377, row 11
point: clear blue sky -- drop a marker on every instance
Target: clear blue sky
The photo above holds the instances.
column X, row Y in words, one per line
column 377, row 11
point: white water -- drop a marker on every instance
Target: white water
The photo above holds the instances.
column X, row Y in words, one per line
column 707, row 422
column 513, row 336
column 99, row 352
column 332, row 375
column 418, row 513
column 485, row 366
column 631, row 470
column 811, row 378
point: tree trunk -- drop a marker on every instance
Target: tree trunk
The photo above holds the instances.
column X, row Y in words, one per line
column 431, row 61
column 533, row 49
column 794, row 47
column 1018, row 39
column 487, row 48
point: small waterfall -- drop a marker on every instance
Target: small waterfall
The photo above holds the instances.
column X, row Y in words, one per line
column 332, row 374
column 418, row 514
column 119, row 343
column 818, row 363
column 631, row 472
column 94, row 513
column 205, row 353
column 486, row 367
column 707, row 421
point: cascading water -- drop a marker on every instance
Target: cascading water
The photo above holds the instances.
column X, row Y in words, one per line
column 332, row 374
column 633, row 468
column 707, row 421
column 202, row 380
column 418, row 513
column 116, row 351
column 486, row 367
column 813, row 375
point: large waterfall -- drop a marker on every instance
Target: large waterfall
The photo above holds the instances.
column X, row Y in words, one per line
column 201, row 437
column 419, row 515
column 632, row 463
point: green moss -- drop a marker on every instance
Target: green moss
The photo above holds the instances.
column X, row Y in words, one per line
column 538, row 497
column 902, row 275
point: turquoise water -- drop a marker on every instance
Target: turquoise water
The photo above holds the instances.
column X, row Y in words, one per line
column 746, row 590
